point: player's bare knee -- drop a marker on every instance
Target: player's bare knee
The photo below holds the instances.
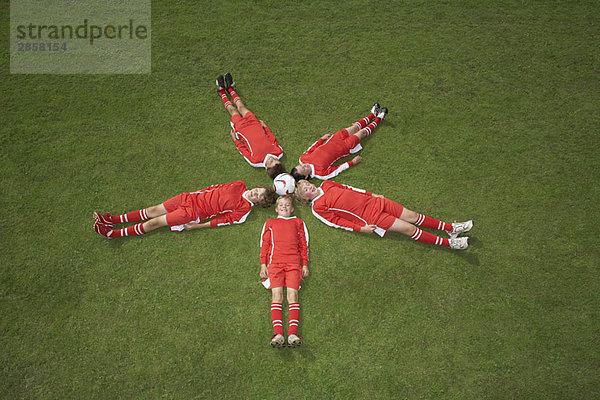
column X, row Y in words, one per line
column 277, row 295
column 352, row 129
column 232, row 110
column 292, row 296
column 409, row 229
column 409, row 216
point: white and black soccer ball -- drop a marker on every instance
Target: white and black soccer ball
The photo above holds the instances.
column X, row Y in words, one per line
column 284, row 184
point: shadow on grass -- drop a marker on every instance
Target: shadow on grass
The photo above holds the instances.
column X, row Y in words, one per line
column 468, row 254
column 303, row 352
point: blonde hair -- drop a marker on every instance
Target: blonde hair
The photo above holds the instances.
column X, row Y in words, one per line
column 281, row 198
column 299, row 198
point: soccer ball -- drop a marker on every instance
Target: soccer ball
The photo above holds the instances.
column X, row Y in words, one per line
column 284, row 184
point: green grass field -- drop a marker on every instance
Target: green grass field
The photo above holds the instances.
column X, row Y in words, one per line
column 494, row 116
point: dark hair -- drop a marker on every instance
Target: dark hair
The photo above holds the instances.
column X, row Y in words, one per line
column 268, row 198
column 297, row 175
column 275, row 170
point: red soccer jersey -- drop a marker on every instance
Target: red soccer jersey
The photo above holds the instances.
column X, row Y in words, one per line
column 343, row 206
column 323, row 153
column 284, row 241
column 225, row 203
column 254, row 142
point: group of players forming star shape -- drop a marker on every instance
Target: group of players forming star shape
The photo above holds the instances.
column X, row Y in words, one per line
column 284, row 240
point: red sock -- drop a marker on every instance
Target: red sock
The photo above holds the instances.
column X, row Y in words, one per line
column 276, row 318
column 426, row 237
column 361, row 123
column 371, row 127
column 134, row 230
column 234, row 95
column 134, row 216
column 294, row 317
column 428, row 222
column 224, row 97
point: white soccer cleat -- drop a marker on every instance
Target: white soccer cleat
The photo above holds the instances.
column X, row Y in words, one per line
column 277, row 340
column 294, row 341
column 460, row 243
column 460, row 227
column 375, row 109
column 382, row 113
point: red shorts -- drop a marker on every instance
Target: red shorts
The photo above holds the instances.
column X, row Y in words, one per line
column 350, row 141
column 180, row 210
column 285, row 275
column 247, row 122
column 385, row 212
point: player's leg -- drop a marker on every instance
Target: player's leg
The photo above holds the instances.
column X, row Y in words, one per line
column 223, row 93
column 361, row 123
column 424, row 220
column 293, row 277
column 294, row 318
column 370, row 128
column 230, row 84
column 138, row 229
column 134, row 216
column 277, row 316
column 419, row 235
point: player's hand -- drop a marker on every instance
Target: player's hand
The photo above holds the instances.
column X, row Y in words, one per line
column 262, row 123
column 378, row 195
column 357, row 160
column 368, row 228
column 189, row 227
column 232, row 133
column 326, row 136
column 305, row 271
column 263, row 271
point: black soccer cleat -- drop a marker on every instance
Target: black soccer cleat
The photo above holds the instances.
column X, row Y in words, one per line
column 220, row 83
column 229, row 81
column 382, row 113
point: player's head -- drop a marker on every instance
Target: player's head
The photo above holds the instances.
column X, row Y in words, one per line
column 262, row 196
column 301, row 171
column 284, row 206
column 305, row 192
column 274, row 167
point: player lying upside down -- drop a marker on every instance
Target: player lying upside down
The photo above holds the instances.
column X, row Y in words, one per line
column 317, row 161
column 345, row 207
column 251, row 136
column 229, row 203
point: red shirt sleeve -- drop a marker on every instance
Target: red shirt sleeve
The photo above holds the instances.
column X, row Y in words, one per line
column 266, row 238
column 241, row 146
column 337, row 169
column 270, row 135
column 303, row 242
column 351, row 188
column 330, row 218
column 314, row 146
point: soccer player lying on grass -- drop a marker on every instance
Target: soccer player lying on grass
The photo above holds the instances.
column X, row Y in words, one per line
column 251, row 136
column 345, row 207
column 317, row 161
column 284, row 260
column 229, row 203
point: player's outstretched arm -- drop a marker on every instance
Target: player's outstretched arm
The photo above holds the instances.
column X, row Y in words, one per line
column 192, row 226
column 368, row 228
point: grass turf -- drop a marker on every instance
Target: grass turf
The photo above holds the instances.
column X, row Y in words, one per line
column 493, row 116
